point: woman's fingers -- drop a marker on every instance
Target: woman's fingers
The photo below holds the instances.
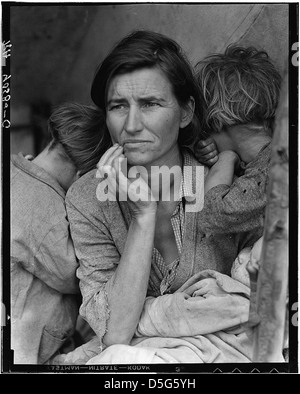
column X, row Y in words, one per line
column 107, row 161
column 112, row 167
column 121, row 177
column 114, row 156
column 200, row 292
column 195, row 287
column 106, row 155
column 109, row 155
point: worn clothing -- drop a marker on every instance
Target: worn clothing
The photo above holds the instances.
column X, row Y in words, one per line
column 177, row 221
column 183, row 327
column 99, row 231
column 44, row 286
column 241, row 206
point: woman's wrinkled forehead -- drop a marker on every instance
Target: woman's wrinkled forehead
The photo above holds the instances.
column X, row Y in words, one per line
column 150, row 81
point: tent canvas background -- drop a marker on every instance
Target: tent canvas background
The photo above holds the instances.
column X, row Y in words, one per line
column 56, row 48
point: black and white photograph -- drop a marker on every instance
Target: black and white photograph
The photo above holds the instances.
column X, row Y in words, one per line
column 149, row 217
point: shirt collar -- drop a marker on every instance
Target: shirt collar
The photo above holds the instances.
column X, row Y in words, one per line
column 37, row 172
column 187, row 181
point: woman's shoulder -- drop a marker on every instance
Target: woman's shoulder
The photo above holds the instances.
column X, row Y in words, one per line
column 85, row 196
column 83, row 186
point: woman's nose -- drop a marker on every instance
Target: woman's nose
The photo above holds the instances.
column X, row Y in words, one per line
column 133, row 123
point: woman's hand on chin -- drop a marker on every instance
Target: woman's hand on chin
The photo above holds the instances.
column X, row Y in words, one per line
column 134, row 190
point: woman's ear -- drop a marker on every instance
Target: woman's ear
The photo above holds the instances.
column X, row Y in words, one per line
column 187, row 113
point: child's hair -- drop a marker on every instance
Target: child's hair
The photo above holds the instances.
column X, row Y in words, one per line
column 79, row 129
column 240, row 86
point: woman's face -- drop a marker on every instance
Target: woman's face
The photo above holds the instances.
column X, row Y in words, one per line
column 144, row 116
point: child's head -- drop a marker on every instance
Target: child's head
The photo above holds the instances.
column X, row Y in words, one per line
column 77, row 131
column 240, row 86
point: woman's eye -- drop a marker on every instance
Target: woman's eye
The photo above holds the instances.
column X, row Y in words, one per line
column 116, row 107
column 150, row 104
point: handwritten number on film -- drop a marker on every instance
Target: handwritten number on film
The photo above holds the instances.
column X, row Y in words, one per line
column 5, row 99
column 6, row 53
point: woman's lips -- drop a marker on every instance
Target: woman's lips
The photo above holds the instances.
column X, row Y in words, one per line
column 134, row 144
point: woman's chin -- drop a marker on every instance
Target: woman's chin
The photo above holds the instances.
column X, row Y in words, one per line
column 137, row 159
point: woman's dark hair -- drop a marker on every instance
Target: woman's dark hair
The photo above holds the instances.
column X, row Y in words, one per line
column 142, row 49
column 79, row 130
column 240, row 86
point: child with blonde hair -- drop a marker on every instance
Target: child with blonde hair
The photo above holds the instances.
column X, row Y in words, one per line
column 241, row 92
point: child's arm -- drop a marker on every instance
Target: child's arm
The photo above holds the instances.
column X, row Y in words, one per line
column 239, row 207
column 222, row 172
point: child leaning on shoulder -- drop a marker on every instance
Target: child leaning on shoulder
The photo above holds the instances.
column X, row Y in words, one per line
column 240, row 90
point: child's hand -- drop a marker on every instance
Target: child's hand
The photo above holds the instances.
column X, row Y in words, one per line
column 206, row 151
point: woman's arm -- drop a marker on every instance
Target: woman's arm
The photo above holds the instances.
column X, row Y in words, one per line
column 213, row 303
column 113, row 287
column 127, row 289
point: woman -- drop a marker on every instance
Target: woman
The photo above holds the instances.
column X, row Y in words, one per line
column 140, row 244
column 44, row 287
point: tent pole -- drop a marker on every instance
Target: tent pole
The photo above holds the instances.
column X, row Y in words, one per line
column 272, row 281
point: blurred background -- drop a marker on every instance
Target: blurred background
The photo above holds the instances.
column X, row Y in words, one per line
column 57, row 48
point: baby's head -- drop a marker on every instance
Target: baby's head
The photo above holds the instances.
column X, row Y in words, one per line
column 239, row 87
column 248, row 260
column 255, row 257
